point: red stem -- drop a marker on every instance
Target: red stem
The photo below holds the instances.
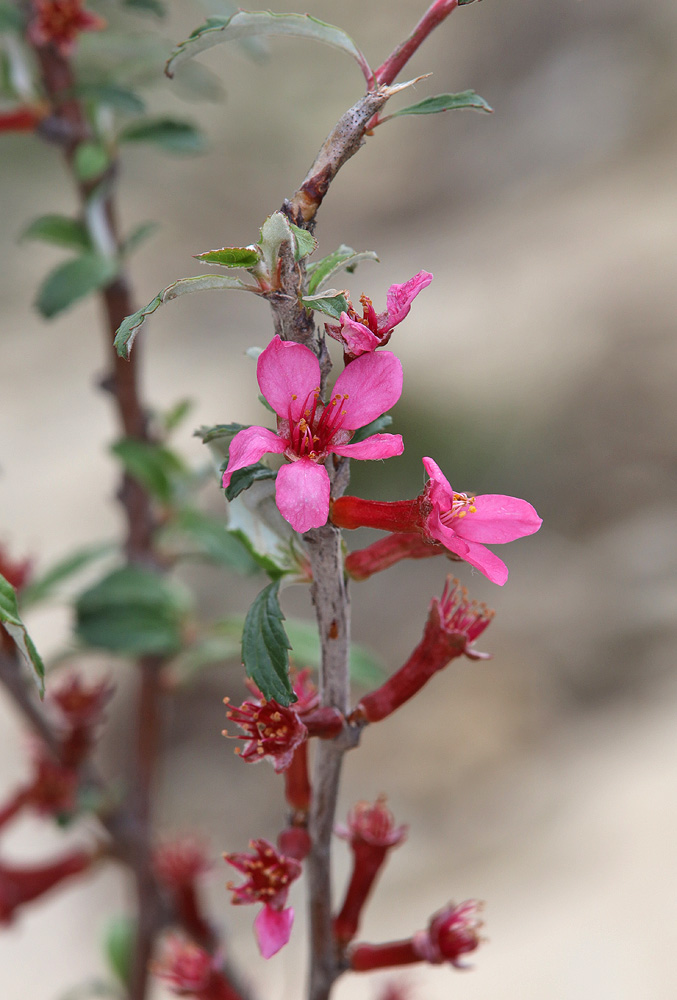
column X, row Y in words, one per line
column 396, row 61
column 366, row 957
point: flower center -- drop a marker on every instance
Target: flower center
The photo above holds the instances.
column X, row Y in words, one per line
column 461, row 505
column 312, row 434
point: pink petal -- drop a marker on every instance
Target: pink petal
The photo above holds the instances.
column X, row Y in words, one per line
column 376, row 446
column 273, row 929
column 447, row 536
column 372, row 383
column 498, row 519
column 248, row 446
column 486, row 562
column 399, row 299
column 440, row 489
column 302, row 494
column 356, row 336
column 287, row 373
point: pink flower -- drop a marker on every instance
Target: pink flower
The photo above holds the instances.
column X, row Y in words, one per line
column 309, row 431
column 372, row 330
column 462, row 524
column 59, row 22
column 269, row 876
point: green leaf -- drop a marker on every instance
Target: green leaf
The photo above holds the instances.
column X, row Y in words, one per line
column 305, row 242
column 118, row 944
column 10, row 18
column 219, row 432
column 271, row 541
column 249, row 24
column 44, row 586
column 10, row 619
column 154, row 466
column 176, row 414
column 343, row 259
column 265, row 647
column 112, row 96
column 365, row 667
column 275, row 231
column 214, row 540
column 445, row 102
column 128, row 329
column 137, row 237
column 147, row 6
column 59, row 230
column 91, row 160
column 169, row 134
column 231, row 257
column 375, row 427
column 73, row 280
column 329, row 302
column 242, row 479
column 133, row 611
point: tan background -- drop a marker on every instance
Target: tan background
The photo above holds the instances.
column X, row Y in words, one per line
column 541, row 362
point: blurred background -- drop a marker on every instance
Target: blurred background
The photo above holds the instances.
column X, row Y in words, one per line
column 541, row 362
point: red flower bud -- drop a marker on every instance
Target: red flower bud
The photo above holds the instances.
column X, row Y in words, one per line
column 453, row 624
column 371, row 832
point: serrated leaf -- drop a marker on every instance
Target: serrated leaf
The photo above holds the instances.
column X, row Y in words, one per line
column 118, row 945
column 42, row 587
column 128, row 329
column 242, row 479
column 265, row 647
column 375, row 427
column 445, row 102
column 231, row 257
column 305, row 242
column 10, row 18
column 255, row 24
column 133, row 611
column 343, row 259
column 112, row 96
column 169, row 134
column 91, row 159
column 59, row 230
column 154, row 466
column 329, row 302
column 137, row 237
column 73, row 280
column 13, row 625
column 214, row 540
